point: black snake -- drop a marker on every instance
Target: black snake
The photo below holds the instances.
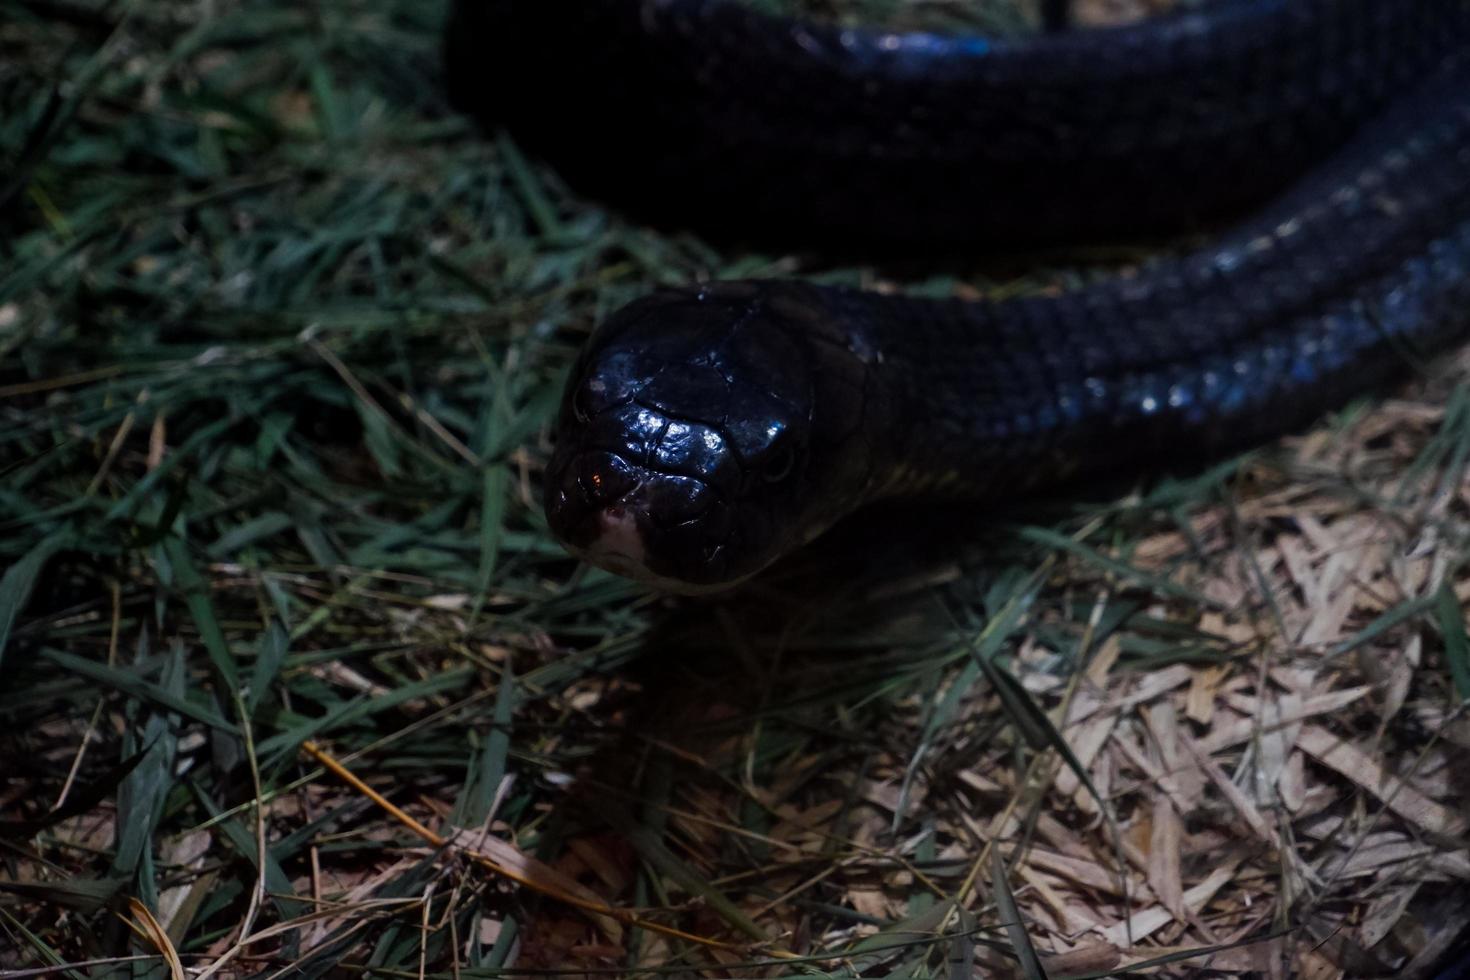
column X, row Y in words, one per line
column 707, row 431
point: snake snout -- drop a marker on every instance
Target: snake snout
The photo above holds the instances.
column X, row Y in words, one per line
column 587, row 494
column 645, row 524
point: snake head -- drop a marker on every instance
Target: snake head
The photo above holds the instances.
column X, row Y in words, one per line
column 687, row 441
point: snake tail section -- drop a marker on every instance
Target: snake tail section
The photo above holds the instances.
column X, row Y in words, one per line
column 709, row 114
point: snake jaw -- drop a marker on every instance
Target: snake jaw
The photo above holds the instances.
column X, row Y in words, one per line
column 620, row 549
column 619, row 544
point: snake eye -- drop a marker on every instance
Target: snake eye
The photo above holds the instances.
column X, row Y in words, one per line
column 582, row 404
column 778, row 466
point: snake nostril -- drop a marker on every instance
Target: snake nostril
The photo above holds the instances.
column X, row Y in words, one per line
column 603, row 478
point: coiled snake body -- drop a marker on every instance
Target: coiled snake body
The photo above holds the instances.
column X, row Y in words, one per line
column 707, row 431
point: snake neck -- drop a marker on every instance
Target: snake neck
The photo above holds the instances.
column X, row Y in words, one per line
column 1346, row 282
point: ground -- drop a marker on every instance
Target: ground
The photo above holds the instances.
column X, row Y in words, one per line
column 280, row 339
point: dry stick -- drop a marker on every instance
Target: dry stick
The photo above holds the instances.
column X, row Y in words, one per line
column 485, row 861
column 76, row 762
column 257, row 891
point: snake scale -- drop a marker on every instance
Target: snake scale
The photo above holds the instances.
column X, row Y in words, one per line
column 708, row 430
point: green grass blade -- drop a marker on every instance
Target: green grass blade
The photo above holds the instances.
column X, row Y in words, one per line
column 125, row 681
column 20, row 578
column 488, row 764
column 1011, row 921
column 1456, row 642
column 196, row 597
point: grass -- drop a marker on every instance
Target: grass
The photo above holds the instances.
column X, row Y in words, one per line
column 280, row 339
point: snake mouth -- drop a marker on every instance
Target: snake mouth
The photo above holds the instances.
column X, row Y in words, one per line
column 666, row 530
column 618, row 546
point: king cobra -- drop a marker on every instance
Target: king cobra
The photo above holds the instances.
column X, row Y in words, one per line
column 708, row 430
